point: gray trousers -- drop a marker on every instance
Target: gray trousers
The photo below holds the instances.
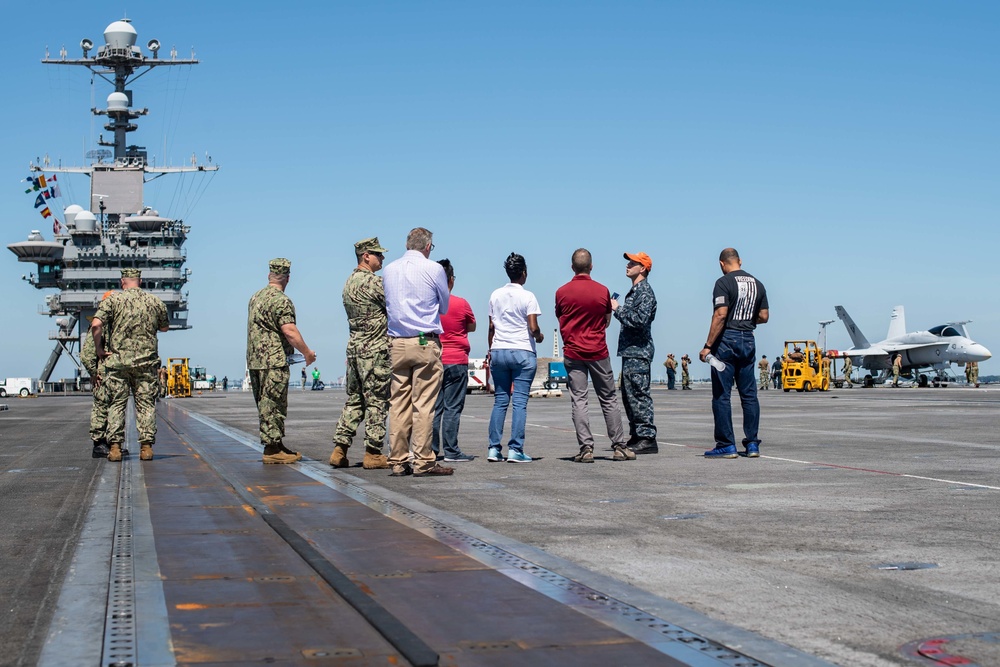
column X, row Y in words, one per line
column 603, row 378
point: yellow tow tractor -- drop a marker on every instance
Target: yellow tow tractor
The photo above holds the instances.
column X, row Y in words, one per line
column 805, row 367
column 178, row 377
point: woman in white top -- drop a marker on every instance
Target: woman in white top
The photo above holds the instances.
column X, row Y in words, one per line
column 513, row 333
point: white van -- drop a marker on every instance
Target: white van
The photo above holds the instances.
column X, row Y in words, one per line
column 18, row 387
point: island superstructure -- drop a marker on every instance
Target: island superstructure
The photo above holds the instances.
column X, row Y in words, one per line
column 116, row 228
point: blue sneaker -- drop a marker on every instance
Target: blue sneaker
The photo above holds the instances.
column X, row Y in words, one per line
column 753, row 450
column 517, row 456
column 494, row 455
column 722, row 453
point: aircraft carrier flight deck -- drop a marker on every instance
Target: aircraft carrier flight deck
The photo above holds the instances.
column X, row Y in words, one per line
column 864, row 535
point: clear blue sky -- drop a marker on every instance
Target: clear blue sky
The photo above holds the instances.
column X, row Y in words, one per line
column 847, row 150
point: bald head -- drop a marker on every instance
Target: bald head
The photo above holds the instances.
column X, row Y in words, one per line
column 582, row 261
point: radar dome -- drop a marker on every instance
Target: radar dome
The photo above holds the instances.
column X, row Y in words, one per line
column 70, row 212
column 120, row 35
column 86, row 221
column 117, row 102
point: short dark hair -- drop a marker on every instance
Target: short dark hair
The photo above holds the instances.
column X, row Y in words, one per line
column 515, row 266
column 728, row 255
column 449, row 270
column 582, row 261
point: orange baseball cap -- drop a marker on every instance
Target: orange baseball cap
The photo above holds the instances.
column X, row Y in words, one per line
column 641, row 258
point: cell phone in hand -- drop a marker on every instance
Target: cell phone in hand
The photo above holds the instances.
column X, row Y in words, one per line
column 615, row 296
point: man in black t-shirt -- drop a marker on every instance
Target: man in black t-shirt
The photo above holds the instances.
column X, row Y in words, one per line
column 740, row 304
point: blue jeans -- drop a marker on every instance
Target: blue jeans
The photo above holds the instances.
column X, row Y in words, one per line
column 738, row 350
column 448, row 410
column 517, row 368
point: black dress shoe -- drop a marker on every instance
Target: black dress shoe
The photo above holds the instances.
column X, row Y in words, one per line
column 645, row 446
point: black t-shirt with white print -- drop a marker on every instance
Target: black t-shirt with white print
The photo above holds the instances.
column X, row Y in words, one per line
column 745, row 297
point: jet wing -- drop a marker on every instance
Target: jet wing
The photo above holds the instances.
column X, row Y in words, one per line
column 885, row 350
column 865, row 352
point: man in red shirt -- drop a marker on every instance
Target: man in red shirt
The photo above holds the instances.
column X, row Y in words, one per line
column 583, row 307
column 457, row 323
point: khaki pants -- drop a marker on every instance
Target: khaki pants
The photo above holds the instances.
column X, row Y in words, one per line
column 416, row 380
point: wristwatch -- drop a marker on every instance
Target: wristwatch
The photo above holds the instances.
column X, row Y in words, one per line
column 707, row 347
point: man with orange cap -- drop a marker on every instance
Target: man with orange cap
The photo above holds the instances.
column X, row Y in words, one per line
column 635, row 346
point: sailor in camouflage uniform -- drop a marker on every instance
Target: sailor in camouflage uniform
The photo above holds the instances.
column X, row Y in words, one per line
column 124, row 331
column 368, row 369
column 99, row 410
column 635, row 347
column 271, row 337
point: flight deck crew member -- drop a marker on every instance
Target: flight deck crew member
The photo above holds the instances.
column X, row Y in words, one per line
column 740, row 304
column 416, row 295
column 583, row 308
column 124, row 331
column 457, row 324
column 847, row 370
column 162, row 377
column 972, row 373
column 367, row 360
column 671, row 365
column 272, row 335
column 635, row 346
column 765, row 377
column 685, row 375
column 897, row 366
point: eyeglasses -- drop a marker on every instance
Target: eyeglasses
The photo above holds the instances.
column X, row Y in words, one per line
column 432, row 246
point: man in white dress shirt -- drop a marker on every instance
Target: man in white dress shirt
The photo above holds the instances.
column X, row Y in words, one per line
column 416, row 294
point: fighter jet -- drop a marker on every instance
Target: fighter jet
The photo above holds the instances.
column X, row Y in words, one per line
column 937, row 348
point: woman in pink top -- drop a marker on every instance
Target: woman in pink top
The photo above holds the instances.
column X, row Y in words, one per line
column 457, row 323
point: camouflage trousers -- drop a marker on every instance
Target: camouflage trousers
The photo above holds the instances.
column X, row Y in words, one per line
column 270, row 391
column 99, row 411
column 895, row 376
column 685, row 380
column 139, row 382
column 764, row 380
column 368, row 380
column 636, row 400
column 972, row 375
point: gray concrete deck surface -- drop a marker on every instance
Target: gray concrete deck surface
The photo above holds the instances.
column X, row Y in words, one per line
column 786, row 545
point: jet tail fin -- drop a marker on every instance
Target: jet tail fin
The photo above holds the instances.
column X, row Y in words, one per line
column 897, row 323
column 853, row 331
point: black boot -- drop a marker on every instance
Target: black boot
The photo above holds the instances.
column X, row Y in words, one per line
column 645, row 446
column 100, row 449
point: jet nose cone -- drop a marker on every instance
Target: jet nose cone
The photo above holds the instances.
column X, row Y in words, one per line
column 979, row 352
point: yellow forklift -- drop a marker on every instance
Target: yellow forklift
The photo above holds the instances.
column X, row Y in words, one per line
column 805, row 367
column 178, row 377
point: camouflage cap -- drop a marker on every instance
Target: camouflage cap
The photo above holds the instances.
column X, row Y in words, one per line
column 131, row 273
column 368, row 245
column 280, row 266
